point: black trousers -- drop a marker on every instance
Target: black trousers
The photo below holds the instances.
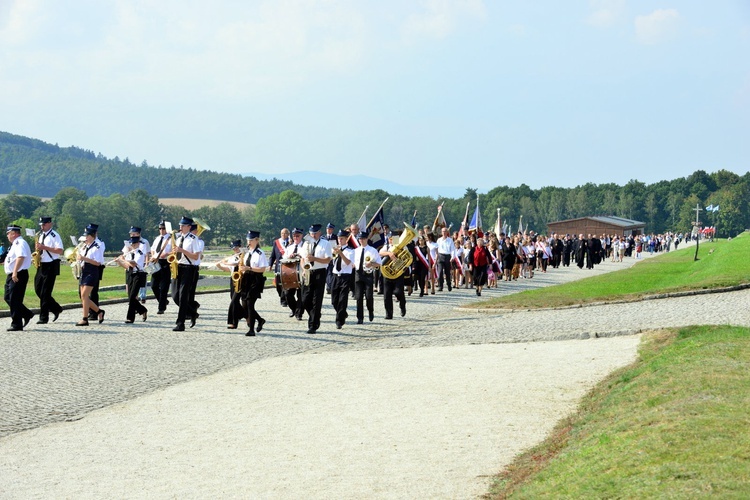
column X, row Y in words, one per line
column 236, row 309
column 294, row 301
column 443, row 270
column 44, row 283
column 312, row 297
column 186, row 275
column 134, row 282
column 393, row 288
column 14, row 293
column 160, row 282
column 94, row 295
column 340, row 296
column 363, row 293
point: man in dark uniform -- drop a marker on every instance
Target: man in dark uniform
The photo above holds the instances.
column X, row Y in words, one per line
column 50, row 247
column 366, row 260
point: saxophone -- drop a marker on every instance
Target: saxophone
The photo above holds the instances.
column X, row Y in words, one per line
column 393, row 268
column 237, row 275
column 36, row 256
column 172, row 257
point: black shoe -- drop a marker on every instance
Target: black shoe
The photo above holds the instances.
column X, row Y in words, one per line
column 389, row 317
column 372, row 316
column 440, row 289
column 55, row 316
column 261, row 322
column 14, row 329
column 144, row 315
column 179, row 328
column 129, row 321
column 26, row 320
column 450, row 288
column 291, row 314
column 250, row 333
column 299, row 318
column 379, row 293
column 403, row 311
column 100, row 316
column 311, row 330
column 160, row 311
column 42, row 322
column 83, row 322
column 194, row 319
column 360, row 321
column 339, row 325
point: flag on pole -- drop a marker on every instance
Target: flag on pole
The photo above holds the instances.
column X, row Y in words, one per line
column 497, row 224
column 716, row 208
column 414, row 220
column 710, row 208
column 463, row 232
column 476, row 220
column 439, row 219
column 375, row 227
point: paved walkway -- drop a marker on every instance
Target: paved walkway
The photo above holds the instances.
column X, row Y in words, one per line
column 423, row 406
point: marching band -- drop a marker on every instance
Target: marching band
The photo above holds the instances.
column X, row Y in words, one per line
column 305, row 268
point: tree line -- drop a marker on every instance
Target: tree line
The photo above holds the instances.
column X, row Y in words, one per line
column 97, row 186
column 663, row 206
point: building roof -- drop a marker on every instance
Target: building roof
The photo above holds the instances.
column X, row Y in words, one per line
column 611, row 219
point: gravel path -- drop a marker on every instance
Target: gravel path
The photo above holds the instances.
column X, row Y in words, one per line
column 423, row 406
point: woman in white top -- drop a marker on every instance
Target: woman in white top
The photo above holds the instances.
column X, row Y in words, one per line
column 90, row 257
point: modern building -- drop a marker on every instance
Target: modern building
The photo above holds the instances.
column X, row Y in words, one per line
column 597, row 225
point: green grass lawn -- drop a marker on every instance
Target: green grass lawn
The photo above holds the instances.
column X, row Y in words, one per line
column 720, row 264
column 673, row 425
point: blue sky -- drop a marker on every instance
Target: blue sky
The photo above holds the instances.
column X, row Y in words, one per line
column 440, row 93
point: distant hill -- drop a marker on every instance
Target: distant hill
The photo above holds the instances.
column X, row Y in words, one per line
column 362, row 183
column 194, row 203
column 37, row 168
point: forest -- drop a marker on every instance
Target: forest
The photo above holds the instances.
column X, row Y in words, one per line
column 77, row 187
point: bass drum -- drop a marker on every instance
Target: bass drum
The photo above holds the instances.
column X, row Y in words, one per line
column 289, row 274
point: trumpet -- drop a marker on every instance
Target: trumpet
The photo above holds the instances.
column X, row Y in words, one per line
column 367, row 267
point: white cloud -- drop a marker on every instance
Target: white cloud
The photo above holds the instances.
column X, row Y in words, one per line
column 439, row 18
column 20, row 20
column 659, row 26
column 605, row 13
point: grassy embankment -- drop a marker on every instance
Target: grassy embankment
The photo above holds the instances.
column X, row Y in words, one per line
column 720, row 264
column 674, row 424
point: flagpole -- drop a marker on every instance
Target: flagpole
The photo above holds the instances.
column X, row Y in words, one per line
column 440, row 209
column 376, row 211
column 363, row 214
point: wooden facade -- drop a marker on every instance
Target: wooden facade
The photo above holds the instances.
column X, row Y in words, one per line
column 597, row 225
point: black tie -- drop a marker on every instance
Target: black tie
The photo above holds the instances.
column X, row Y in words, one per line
column 362, row 260
column 158, row 247
column 338, row 263
column 295, row 249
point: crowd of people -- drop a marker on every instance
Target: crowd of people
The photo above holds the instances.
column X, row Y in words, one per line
column 307, row 267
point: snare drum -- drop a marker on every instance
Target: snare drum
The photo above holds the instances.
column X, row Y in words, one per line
column 152, row 267
column 289, row 274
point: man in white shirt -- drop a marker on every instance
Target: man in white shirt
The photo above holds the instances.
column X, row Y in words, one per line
column 445, row 250
column 317, row 254
column 343, row 257
column 17, row 264
column 366, row 260
column 50, row 247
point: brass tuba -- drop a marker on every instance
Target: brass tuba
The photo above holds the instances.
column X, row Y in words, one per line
column 202, row 226
column 393, row 268
column 237, row 275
